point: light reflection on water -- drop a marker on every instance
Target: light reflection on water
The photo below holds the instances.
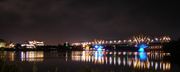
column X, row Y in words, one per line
column 136, row 60
column 7, row 55
column 22, row 56
column 32, row 56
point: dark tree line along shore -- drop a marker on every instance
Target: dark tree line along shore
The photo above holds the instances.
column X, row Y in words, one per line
column 173, row 47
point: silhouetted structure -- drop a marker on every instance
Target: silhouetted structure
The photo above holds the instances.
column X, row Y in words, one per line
column 174, row 48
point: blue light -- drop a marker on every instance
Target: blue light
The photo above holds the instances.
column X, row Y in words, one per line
column 98, row 47
column 142, row 46
column 141, row 50
column 142, row 56
column 142, row 53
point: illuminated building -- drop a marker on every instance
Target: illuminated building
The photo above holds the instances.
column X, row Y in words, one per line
column 2, row 43
column 6, row 44
column 33, row 44
column 9, row 45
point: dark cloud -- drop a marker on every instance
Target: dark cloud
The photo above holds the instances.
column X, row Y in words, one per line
column 76, row 20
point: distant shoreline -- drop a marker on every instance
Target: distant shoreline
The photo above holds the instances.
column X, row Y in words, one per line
column 13, row 49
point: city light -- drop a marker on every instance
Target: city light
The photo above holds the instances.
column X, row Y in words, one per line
column 131, row 41
column 33, row 44
column 141, row 47
column 98, row 47
column 141, row 39
column 141, row 50
column 2, row 45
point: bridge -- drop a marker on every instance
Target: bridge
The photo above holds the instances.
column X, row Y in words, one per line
column 133, row 41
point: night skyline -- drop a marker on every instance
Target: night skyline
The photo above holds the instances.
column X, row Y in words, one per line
column 58, row 21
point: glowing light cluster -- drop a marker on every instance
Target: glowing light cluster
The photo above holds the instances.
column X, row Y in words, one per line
column 32, row 56
column 141, row 47
column 98, row 47
column 134, row 40
column 33, row 44
column 2, row 45
column 6, row 45
column 141, row 39
column 139, row 61
column 165, row 39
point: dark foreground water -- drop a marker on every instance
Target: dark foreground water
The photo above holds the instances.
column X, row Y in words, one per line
column 86, row 61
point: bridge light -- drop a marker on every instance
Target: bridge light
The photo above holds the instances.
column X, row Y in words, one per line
column 98, row 47
column 119, row 41
column 142, row 47
column 156, row 39
column 110, row 42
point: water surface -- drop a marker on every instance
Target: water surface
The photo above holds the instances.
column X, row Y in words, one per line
column 86, row 61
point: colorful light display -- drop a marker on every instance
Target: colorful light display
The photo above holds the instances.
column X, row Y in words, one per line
column 98, row 47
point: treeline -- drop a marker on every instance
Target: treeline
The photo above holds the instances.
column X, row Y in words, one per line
column 65, row 47
column 173, row 47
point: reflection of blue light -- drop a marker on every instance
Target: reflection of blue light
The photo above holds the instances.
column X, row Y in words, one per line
column 142, row 53
column 98, row 54
column 143, row 56
column 98, row 47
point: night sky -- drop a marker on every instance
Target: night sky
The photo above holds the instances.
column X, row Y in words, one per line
column 56, row 21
